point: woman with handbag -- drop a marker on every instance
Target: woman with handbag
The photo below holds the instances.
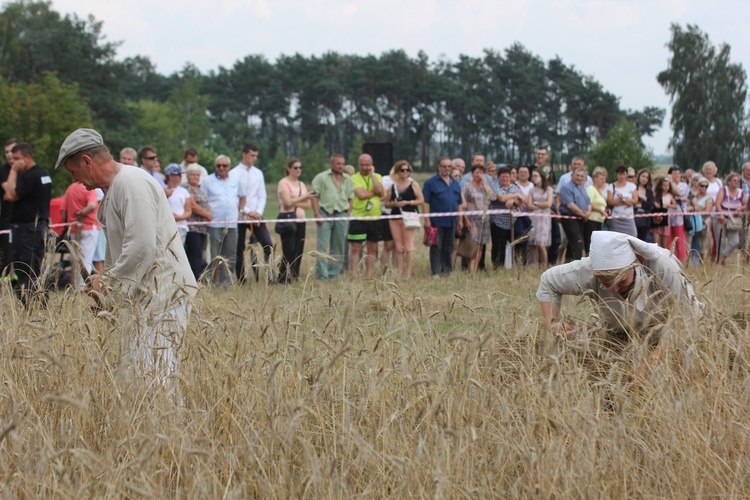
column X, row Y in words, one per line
column 293, row 201
column 478, row 196
column 703, row 202
column 730, row 199
column 404, row 198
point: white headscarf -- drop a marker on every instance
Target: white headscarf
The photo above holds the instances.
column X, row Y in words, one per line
column 611, row 250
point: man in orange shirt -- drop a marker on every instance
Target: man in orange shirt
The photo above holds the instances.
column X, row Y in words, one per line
column 79, row 207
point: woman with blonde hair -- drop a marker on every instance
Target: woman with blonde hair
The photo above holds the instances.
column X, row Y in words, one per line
column 404, row 198
column 703, row 202
column 598, row 195
column 714, row 185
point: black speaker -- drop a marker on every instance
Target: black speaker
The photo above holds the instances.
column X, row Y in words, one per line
column 382, row 156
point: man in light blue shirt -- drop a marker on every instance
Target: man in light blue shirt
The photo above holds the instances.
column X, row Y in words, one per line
column 227, row 200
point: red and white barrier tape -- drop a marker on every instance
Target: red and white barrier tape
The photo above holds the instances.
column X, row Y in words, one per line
column 441, row 214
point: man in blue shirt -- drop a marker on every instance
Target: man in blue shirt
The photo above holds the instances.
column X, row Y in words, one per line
column 227, row 200
column 443, row 194
column 575, row 202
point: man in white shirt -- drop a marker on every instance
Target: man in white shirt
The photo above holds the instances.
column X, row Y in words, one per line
column 253, row 186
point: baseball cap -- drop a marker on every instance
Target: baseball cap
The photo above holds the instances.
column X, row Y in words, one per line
column 83, row 138
column 172, row 169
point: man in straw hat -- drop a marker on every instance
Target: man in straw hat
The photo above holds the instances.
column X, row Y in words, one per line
column 145, row 266
column 635, row 285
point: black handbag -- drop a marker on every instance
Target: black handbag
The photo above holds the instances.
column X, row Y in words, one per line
column 521, row 225
column 284, row 226
column 660, row 220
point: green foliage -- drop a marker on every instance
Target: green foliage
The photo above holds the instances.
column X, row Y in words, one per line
column 179, row 122
column 43, row 114
column 315, row 160
column 276, row 167
column 622, row 145
column 708, row 95
column 355, row 150
column 36, row 39
column 503, row 103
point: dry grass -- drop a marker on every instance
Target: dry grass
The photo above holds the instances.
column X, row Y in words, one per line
column 373, row 388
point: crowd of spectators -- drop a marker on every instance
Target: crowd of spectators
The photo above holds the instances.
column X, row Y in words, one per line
column 536, row 220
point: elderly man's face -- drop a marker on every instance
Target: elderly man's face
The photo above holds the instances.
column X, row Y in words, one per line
column 577, row 163
column 460, row 165
column 477, row 160
column 365, row 165
column 746, row 171
column 83, row 172
column 579, row 177
column 127, row 158
column 222, row 168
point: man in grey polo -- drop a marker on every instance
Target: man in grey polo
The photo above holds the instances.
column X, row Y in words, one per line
column 333, row 192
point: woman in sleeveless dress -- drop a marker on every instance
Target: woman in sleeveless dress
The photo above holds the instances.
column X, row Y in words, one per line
column 404, row 197
column 541, row 200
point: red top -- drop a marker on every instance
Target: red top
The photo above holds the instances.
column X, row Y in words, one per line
column 76, row 198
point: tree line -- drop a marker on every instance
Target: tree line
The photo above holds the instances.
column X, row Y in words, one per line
column 503, row 104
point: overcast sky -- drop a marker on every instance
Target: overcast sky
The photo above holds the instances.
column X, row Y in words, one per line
column 621, row 43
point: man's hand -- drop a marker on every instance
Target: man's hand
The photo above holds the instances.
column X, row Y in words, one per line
column 94, row 284
column 254, row 216
column 564, row 329
column 318, row 222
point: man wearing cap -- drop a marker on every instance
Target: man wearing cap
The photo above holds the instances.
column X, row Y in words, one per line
column 29, row 188
column 635, row 285
column 146, row 268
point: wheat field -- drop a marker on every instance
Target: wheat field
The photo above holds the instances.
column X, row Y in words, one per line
column 378, row 388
